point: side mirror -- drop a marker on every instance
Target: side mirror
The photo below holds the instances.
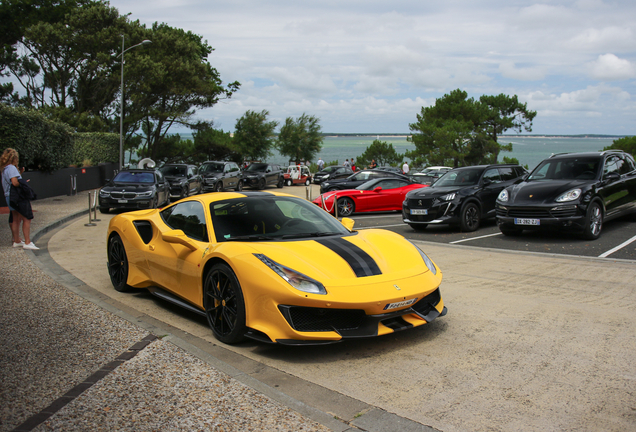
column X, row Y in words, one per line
column 348, row 223
column 378, row 189
column 487, row 182
column 612, row 177
column 178, row 237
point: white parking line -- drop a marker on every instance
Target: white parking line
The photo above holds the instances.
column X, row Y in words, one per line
column 620, row 246
column 475, row 238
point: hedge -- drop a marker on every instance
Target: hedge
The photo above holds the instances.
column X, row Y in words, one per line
column 46, row 145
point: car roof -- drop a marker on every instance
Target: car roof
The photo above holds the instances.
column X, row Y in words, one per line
column 585, row 154
column 486, row 166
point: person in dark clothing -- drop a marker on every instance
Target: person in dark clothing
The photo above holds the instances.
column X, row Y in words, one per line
column 10, row 180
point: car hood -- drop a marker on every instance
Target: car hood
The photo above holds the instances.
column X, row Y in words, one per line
column 541, row 191
column 434, row 192
column 337, row 261
column 211, row 175
column 128, row 187
column 174, row 178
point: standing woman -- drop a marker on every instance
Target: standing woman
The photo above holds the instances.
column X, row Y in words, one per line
column 10, row 176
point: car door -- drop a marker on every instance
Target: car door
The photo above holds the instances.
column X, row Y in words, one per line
column 490, row 185
column 389, row 198
column 614, row 190
column 163, row 189
column 175, row 266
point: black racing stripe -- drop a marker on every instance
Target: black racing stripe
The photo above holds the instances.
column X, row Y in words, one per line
column 361, row 263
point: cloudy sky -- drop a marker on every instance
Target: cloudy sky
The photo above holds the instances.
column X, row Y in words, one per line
column 370, row 66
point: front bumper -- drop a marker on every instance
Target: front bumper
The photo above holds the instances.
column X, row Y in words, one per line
column 437, row 212
column 131, row 204
column 562, row 216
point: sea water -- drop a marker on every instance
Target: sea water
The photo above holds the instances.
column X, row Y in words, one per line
column 528, row 150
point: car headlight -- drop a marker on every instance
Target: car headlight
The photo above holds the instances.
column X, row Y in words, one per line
column 104, row 194
column 297, row 280
column 503, row 196
column 325, row 184
column 427, row 260
column 448, row 197
column 145, row 194
column 569, row 195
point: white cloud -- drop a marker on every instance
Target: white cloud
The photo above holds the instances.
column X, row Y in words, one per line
column 608, row 67
column 510, row 70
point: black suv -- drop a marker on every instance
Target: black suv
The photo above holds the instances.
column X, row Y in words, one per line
column 571, row 191
column 462, row 196
column 331, row 173
column 183, row 179
column 355, row 180
column 259, row 175
column 219, row 176
column 135, row 189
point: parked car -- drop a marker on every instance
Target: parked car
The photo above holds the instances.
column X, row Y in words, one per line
column 297, row 174
column 220, row 175
column 384, row 194
column 275, row 268
column 135, row 189
column 183, row 179
column 431, row 174
column 462, row 196
column 572, row 191
column 259, row 175
column 331, row 173
column 355, row 180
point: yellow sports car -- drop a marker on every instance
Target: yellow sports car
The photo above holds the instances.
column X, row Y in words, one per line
column 275, row 268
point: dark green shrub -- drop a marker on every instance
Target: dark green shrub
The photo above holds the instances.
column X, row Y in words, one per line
column 96, row 147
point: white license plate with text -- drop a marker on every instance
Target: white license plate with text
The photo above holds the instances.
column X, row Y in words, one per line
column 122, row 201
column 400, row 304
column 520, row 221
column 419, row 211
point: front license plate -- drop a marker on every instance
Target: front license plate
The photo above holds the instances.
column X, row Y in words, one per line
column 122, row 201
column 419, row 211
column 519, row 221
column 400, row 304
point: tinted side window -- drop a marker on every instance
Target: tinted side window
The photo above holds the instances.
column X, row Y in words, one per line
column 612, row 165
column 507, row 173
column 189, row 217
column 493, row 175
column 627, row 166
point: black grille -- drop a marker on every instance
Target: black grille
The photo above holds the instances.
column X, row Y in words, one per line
column 425, row 305
column 320, row 320
column 538, row 213
column 127, row 195
column 415, row 202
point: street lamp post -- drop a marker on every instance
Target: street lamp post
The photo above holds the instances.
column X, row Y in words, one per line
column 121, row 105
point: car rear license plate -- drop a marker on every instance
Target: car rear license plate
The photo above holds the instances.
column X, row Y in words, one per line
column 400, row 304
column 122, row 201
column 419, row 211
column 519, row 221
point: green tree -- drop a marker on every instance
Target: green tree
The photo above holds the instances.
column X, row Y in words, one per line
column 300, row 139
column 460, row 131
column 254, row 135
column 214, row 144
column 627, row 144
column 380, row 151
column 167, row 81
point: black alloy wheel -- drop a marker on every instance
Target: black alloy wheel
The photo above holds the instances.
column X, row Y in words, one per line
column 118, row 264
column 593, row 221
column 239, row 186
column 184, row 192
column 224, row 304
column 155, row 202
column 281, row 183
column 261, row 184
column 469, row 217
column 346, row 207
column 218, row 187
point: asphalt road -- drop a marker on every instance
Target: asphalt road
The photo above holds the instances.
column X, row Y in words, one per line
column 617, row 241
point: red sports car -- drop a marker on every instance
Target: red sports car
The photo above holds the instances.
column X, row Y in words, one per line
column 385, row 194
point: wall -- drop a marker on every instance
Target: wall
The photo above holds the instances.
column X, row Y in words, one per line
column 47, row 185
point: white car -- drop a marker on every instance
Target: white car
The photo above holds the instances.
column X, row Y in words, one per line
column 430, row 174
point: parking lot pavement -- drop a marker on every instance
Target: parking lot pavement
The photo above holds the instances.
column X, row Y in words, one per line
column 532, row 341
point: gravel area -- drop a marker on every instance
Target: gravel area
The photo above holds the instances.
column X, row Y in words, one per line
column 52, row 339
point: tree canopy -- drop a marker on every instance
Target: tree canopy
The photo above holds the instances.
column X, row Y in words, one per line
column 627, row 144
column 460, row 131
column 254, row 135
column 300, row 139
column 381, row 152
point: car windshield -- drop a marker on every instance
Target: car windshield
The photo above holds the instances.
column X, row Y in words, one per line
column 362, row 175
column 174, row 171
column 370, row 185
column 465, row 177
column 583, row 168
column 329, row 169
column 257, row 167
column 212, row 168
column 134, row 177
column 267, row 218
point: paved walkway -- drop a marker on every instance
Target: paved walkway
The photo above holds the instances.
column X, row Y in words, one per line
column 71, row 361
